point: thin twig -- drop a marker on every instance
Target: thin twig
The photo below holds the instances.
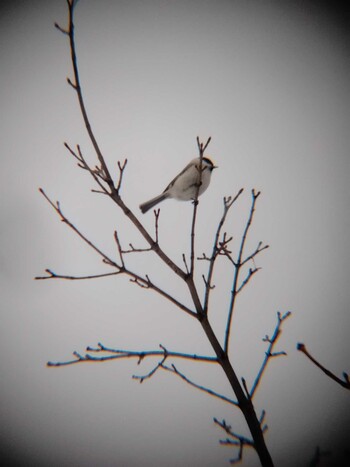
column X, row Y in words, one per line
column 64, row 219
column 345, row 384
column 185, row 263
column 155, row 369
column 77, row 87
column 121, row 168
column 53, row 275
column 258, row 250
column 174, row 370
column 222, row 357
column 143, row 281
column 120, row 251
column 238, row 440
column 189, row 278
column 104, row 172
column 245, row 281
column 237, row 268
column 201, row 148
column 269, row 353
column 228, row 202
column 118, row 354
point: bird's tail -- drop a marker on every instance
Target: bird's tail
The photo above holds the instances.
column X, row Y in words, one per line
column 152, row 202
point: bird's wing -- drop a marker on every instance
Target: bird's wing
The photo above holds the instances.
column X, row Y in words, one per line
column 177, row 176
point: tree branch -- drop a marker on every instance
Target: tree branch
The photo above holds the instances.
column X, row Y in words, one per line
column 345, row 384
column 174, row 370
column 228, row 202
column 201, row 148
column 236, row 440
column 103, row 170
column 269, row 353
column 121, row 269
column 101, row 174
column 53, row 275
column 118, row 354
column 76, row 85
column 238, row 264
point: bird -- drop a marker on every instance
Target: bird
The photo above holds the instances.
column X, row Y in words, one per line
column 185, row 185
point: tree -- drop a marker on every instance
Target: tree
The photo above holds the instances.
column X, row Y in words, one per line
column 241, row 264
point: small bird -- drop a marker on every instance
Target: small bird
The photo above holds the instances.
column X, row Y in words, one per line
column 185, row 185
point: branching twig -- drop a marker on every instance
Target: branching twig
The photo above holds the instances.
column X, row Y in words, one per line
column 258, row 250
column 53, row 275
column 152, row 372
column 201, row 148
column 103, row 177
column 121, row 168
column 103, row 171
column 236, row 440
column 250, row 274
column 64, row 219
column 228, row 202
column 269, row 353
column 238, row 264
column 345, row 383
column 120, row 251
column 143, row 281
column 117, row 354
column 76, row 86
column 174, row 370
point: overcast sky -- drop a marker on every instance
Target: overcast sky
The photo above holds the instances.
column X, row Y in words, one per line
column 268, row 81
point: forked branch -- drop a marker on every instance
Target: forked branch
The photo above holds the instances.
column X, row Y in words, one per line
column 94, row 355
column 270, row 353
column 237, row 265
column 221, row 247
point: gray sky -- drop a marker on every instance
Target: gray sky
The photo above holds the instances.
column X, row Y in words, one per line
column 268, row 81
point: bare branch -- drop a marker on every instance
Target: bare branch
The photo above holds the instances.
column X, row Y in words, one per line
column 102, row 175
column 174, row 370
column 96, row 173
column 64, row 31
column 143, row 282
column 264, row 427
column 53, row 275
column 201, row 148
column 238, row 265
column 244, row 384
column 228, row 202
column 236, row 440
column 117, row 354
column 185, row 263
column 269, row 354
column 148, row 284
column 156, row 223
column 121, row 168
column 258, row 250
column 250, row 274
column 229, row 431
column 103, row 171
column 345, row 384
column 64, row 219
column 136, row 250
column 155, row 369
column 156, row 229
column 120, row 251
column 77, row 87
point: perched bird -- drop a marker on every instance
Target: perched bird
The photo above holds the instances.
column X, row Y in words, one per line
column 185, row 185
